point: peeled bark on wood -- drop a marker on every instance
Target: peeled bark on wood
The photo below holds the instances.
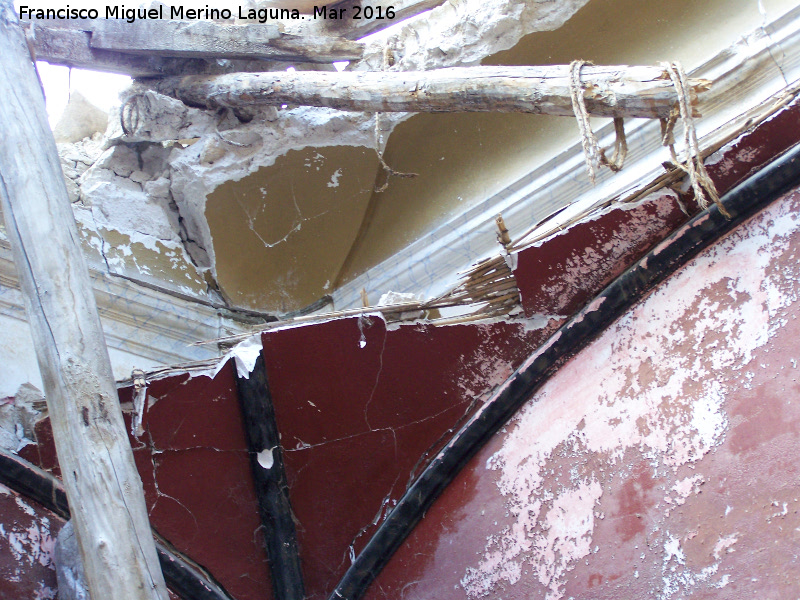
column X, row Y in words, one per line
column 610, row 91
column 103, row 486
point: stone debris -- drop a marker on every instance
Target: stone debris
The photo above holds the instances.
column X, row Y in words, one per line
column 81, row 119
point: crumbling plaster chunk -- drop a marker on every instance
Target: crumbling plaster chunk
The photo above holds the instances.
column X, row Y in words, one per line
column 76, row 159
column 81, row 119
column 128, row 191
column 155, row 117
column 120, row 203
column 18, row 417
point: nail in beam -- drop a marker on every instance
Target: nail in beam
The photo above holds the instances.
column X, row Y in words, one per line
column 103, row 486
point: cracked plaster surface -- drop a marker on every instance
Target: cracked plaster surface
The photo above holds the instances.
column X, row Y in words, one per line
column 157, row 195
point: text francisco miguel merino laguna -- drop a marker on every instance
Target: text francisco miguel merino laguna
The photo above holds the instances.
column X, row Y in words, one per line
column 180, row 13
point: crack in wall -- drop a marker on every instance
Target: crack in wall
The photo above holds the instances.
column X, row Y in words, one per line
column 303, row 446
column 159, row 494
column 383, row 511
column 297, row 224
column 363, row 344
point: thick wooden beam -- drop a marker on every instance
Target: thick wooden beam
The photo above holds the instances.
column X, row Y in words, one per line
column 99, row 473
column 610, row 91
column 205, row 39
column 71, row 48
column 157, row 48
column 272, row 489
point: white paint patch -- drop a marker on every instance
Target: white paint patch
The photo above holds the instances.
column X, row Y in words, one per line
column 245, row 354
column 672, row 549
column 685, row 487
column 334, row 182
column 265, row 458
column 32, row 545
column 656, row 381
column 725, row 544
column 723, row 581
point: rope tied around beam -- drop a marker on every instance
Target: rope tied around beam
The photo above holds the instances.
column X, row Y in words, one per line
column 693, row 165
column 132, row 111
column 388, row 60
column 594, row 155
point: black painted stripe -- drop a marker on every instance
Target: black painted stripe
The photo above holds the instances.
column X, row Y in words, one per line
column 677, row 249
column 182, row 577
column 272, row 489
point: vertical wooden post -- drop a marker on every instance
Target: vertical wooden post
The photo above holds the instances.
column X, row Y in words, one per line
column 104, row 489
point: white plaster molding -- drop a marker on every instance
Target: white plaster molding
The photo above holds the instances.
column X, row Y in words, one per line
column 143, row 327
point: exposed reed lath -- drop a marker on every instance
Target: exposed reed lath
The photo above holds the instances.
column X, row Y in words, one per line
column 490, row 284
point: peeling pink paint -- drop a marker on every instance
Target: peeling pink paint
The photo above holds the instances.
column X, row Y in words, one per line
column 27, row 542
column 670, row 408
column 638, row 469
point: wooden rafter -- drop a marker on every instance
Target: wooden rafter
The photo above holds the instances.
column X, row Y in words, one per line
column 609, row 91
column 155, row 48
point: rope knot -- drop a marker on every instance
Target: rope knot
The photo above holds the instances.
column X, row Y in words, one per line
column 594, row 155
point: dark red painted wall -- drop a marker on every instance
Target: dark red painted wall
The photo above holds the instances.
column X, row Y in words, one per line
column 562, row 273
column 197, row 480
column 361, row 408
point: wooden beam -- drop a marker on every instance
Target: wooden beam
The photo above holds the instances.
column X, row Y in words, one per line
column 103, row 485
column 272, row 489
column 610, row 91
column 157, row 48
column 205, row 39
column 71, row 48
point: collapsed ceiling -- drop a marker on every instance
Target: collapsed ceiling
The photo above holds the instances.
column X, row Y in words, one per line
column 202, row 223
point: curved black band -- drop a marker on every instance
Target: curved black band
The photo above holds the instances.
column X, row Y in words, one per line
column 184, row 579
column 678, row 248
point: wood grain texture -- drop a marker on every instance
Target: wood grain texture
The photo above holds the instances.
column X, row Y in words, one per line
column 610, row 91
column 157, row 48
column 103, row 486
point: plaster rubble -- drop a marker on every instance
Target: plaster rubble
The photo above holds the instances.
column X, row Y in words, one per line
column 456, row 33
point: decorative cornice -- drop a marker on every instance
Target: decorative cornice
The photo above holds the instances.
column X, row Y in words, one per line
column 139, row 321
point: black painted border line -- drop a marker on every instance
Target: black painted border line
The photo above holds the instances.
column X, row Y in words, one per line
column 272, row 489
column 672, row 253
column 31, row 482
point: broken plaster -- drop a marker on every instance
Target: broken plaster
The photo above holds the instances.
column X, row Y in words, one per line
column 169, row 206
